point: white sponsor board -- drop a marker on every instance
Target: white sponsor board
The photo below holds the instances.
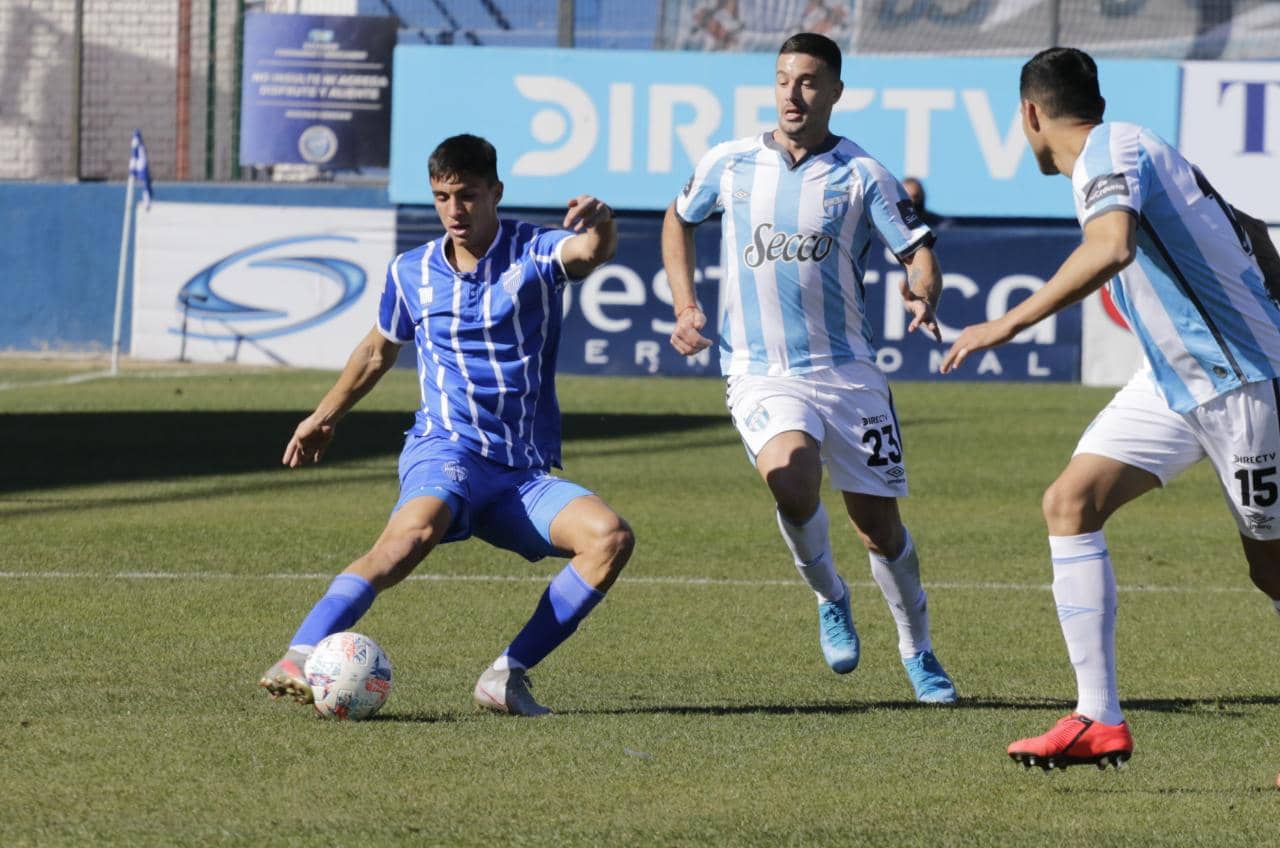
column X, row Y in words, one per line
column 1110, row 353
column 1230, row 127
column 291, row 285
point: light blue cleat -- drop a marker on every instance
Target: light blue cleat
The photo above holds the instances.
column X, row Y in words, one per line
column 839, row 640
column 931, row 683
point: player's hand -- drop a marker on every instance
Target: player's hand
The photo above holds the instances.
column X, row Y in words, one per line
column 924, row 314
column 687, row 339
column 973, row 339
column 309, row 442
column 586, row 212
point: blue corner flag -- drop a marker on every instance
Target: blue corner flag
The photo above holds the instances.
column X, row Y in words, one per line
column 139, row 169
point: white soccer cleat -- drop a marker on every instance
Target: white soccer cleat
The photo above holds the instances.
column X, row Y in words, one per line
column 288, row 679
column 507, row 692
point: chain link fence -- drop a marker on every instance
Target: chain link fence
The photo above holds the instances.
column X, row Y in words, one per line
column 76, row 76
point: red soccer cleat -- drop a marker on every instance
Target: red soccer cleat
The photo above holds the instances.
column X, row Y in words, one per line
column 1076, row 740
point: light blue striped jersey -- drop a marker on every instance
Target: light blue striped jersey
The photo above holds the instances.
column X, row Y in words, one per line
column 1194, row 294
column 795, row 239
column 486, row 342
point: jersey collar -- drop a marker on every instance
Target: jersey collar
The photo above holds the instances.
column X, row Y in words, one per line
column 483, row 264
column 828, row 144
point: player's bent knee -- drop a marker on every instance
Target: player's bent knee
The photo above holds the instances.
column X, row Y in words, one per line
column 1067, row 509
column 611, row 544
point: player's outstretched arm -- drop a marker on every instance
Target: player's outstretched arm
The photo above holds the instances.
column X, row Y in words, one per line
column 1110, row 242
column 597, row 237
column 921, row 290
column 678, row 255
column 372, row 358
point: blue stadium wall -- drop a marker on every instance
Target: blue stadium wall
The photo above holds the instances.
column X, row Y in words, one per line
column 60, row 250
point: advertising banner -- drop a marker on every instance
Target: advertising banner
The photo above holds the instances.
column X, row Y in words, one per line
column 316, row 90
column 290, row 285
column 1230, row 127
column 618, row 320
column 1110, row 353
column 629, row 126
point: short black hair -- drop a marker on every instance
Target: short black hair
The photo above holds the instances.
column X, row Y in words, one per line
column 464, row 156
column 815, row 45
column 1064, row 81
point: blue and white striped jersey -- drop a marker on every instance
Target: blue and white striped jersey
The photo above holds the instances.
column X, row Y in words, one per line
column 486, row 342
column 1194, row 295
column 794, row 245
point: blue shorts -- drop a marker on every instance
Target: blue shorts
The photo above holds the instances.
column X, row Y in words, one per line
column 510, row 508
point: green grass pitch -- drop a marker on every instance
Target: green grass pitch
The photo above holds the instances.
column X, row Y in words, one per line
column 156, row 558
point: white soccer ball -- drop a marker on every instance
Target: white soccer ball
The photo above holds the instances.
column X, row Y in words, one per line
column 349, row 675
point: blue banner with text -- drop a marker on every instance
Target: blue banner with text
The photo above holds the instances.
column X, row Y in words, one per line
column 619, row 319
column 316, row 90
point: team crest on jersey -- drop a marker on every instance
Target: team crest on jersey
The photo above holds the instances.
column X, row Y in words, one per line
column 455, row 471
column 835, row 201
column 511, row 278
column 756, row 419
column 1107, row 185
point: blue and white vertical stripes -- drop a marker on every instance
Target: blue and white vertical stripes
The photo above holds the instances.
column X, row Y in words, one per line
column 796, row 240
column 139, row 167
column 487, row 342
column 1194, row 295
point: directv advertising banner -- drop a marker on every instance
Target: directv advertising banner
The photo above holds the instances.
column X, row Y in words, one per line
column 1231, row 129
column 628, row 126
column 316, row 90
column 618, row 320
column 285, row 285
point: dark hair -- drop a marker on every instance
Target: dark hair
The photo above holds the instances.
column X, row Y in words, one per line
column 464, row 156
column 919, row 206
column 1064, row 82
column 817, row 46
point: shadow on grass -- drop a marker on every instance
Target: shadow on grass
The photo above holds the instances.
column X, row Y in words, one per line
column 1173, row 705
column 51, row 450
column 1165, row 705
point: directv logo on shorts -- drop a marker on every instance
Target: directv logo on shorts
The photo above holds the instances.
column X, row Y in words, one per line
column 318, row 144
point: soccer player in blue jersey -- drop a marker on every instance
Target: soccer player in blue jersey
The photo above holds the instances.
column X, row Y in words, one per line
column 481, row 304
column 1182, row 271
column 801, row 207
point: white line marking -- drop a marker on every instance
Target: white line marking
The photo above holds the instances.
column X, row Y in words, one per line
column 163, row 374
column 978, row 586
column 59, row 381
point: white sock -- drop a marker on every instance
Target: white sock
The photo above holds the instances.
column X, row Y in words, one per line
column 899, row 582
column 1084, row 588
column 1276, row 603
column 504, row 662
column 811, row 546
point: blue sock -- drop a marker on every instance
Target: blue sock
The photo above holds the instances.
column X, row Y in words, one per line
column 348, row 597
column 565, row 603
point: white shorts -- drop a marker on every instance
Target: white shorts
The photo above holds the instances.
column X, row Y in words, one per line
column 1239, row 432
column 847, row 410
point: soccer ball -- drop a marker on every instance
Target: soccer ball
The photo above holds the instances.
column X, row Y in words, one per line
column 349, row 675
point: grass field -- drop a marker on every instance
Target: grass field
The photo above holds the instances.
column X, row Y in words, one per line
column 155, row 559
